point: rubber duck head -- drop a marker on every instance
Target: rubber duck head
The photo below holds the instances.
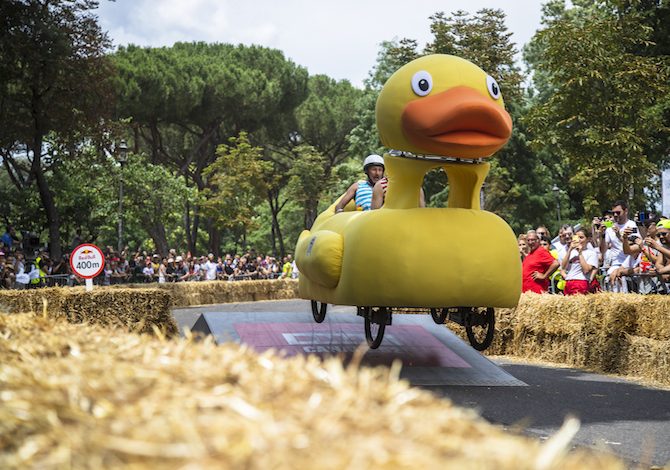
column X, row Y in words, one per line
column 443, row 106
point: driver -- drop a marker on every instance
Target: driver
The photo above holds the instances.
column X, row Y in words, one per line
column 361, row 191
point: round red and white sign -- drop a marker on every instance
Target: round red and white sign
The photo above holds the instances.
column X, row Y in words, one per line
column 87, row 261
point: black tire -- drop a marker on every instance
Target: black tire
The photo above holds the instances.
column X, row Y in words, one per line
column 439, row 315
column 480, row 332
column 374, row 340
column 319, row 311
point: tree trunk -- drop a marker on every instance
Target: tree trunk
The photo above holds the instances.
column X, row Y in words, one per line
column 157, row 233
column 275, row 208
column 214, row 242
column 311, row 208
column 48, row 202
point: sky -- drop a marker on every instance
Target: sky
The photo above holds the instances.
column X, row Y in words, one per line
column 339, row 39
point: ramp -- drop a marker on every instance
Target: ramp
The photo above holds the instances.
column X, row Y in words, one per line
column 430, row 354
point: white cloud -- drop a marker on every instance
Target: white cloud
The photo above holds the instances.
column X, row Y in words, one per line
column 340, row 39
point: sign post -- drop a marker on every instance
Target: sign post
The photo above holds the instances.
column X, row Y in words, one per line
column 87, row 261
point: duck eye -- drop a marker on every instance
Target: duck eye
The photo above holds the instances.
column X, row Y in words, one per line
column 492, row 86
column 422, row 83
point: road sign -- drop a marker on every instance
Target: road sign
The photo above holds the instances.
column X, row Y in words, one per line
column 87, row 261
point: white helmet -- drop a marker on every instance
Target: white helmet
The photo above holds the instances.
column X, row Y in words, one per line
column 373, row 160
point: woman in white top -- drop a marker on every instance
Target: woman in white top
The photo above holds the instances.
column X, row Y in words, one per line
column 579, row 264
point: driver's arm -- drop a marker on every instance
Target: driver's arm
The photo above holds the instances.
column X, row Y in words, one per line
column 348, row 196
column 377, row 196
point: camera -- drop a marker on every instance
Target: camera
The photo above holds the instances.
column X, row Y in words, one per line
column 645, row 217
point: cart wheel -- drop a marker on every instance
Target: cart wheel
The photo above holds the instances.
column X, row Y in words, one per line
column 319, row 311
column 480, row 327
column 374, row 339
column 439, row 315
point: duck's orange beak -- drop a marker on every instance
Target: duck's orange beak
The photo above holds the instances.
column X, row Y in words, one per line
column 457, row 122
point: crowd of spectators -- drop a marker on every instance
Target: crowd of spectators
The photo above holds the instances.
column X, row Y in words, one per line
column 615, row 254
column 38, row 269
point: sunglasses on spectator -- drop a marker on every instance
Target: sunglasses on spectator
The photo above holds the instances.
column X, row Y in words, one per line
column 616, row 212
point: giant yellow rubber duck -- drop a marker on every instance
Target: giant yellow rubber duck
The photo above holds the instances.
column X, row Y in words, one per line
column 436, row 111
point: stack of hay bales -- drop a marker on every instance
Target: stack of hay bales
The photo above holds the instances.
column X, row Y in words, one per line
column 139, row 310
column 76, row 396
column 627, row 334
column 187, row 294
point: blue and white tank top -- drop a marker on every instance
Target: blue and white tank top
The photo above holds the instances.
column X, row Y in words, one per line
column 363, row 196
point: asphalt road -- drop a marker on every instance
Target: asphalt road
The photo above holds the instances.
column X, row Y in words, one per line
column 628, row 419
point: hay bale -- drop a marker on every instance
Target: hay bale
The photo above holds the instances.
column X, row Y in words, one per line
column 648, row 358
column 76, row 396
column 139, row 310
column 188, row 294
column 591, row 332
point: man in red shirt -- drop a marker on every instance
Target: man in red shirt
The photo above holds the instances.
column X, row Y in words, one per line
column 538, row 265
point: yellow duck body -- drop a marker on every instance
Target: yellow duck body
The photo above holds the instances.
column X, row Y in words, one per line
column 405, row 256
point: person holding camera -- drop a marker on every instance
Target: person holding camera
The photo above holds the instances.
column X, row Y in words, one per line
column 579, row 264
column 662, row 245
column 612, row 239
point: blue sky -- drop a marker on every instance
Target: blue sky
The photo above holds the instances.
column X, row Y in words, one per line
column 340, row 39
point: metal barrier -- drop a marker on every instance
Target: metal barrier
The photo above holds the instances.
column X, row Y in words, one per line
column 69, row 280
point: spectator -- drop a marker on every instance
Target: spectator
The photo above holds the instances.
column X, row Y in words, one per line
column 170, row 276
column 287, row 268
column 241, row 269
column 294, row 269
column 537, row 266
column 180, row 269
column 148, row 271
column 523, row 246
column 252, row 268
column 613, row 241
column 662, row 264
column 228, row 269
column 9, row 237
column 210, row 268
column 565, row 234
column 579, row 264
column 162, row 271
column 262, row 267
column 543, row 231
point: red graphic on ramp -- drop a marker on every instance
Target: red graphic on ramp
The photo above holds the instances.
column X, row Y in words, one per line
column 413, row 343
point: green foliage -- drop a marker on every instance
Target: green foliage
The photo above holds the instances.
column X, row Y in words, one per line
column 482, row 39
column 236, row 184
column 187, row 99
column 308, row 180
column 54, row 81
column 324, row 122
column 598, row 108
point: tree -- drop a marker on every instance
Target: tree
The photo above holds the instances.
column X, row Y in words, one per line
column 324, row 121
column 598, row 110
column 156, row 198
column 187, row 99
column 308, row 179
column 236, row 185
column 54, row 90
